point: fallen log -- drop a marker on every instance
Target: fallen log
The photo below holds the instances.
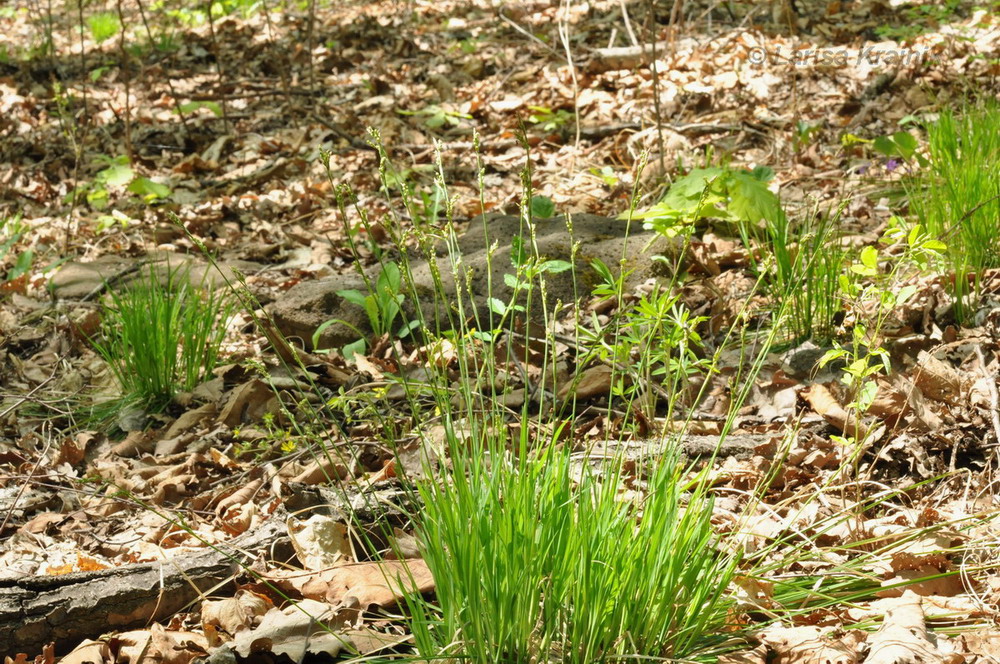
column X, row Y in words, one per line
column 66, row 609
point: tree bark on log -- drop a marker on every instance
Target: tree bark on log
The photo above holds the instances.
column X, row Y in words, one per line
column 66, row 609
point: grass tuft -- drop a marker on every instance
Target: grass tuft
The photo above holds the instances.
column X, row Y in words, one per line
column 160, row 338
column 536, row 559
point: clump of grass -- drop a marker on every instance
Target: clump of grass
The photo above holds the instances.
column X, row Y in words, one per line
column 804, row 261
column 532, row 565
column 160, row 338
column 957, row 197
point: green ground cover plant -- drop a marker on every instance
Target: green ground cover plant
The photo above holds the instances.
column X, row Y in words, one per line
column 161, row 335
column 956, row 197
column 533, row 562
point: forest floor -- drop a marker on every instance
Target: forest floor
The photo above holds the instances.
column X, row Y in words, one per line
column 188, row 135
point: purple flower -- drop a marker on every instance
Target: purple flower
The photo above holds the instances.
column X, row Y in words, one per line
column 891, row 165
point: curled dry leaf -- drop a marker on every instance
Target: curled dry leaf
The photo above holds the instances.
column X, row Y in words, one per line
column 322, row 470
column 319, row 541
column 234, row 614
column 809, row 644
column 937, row 379
column 295, row 631
column 159, row 645
column 902, row 639
column 371, row 584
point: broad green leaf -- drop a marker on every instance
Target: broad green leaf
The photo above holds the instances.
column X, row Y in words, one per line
column 906, row 142
column 116, row 175
column 869, row 257
column 542, row 207
column 148, row 189
column 885, row 145
column 353, row 296
column 497, row 306
column 554, row 266
column 354, row 348
column 752, row 200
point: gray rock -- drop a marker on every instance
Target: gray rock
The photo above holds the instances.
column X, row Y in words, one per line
column 308, row 305
column 79, row 281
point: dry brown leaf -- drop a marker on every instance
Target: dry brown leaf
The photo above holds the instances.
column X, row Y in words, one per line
column 810, row 644
column 593, row 382
column 235, row 613
column 322, row 470
column 364, row 585
column 827, row 406
column 937, row 379
column 305, row 627
column 902, row 639
column 319, row 541
column 246, row 403
column 89, row 652
column 159, row 645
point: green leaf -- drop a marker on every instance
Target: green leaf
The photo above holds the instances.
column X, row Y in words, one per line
column 752, row 200
column 389, row 279
column 98, row 198
column 542, row 207
column 405, row 330
column 21, row 265
column 694, row 183
column 116, row 175
column 353, row 296
column 831, row 355
column 192, row 106
column 148, row 189
column 906, row 142
column 554, row 267
column 869, row 257
column 518, row 252
column 354, row 348
column 374, row 316
column 497, row 306
column 885, row 145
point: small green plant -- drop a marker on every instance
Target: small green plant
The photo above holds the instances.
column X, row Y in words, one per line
column 547, row 119
column 919, row 19
column 118, row 177
column 529, row 268
column 957, row 196
column 436, row 117
column 656, row 341
column 12, row 231
column 720, row 192
column 533, row 565
column 103, row 26
column 383, row 305
column 804, row 133
column 159, row 338
column 873, row 294
column 802, row 262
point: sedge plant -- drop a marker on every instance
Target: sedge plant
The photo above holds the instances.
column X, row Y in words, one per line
column 956, row 196
column 160, row 337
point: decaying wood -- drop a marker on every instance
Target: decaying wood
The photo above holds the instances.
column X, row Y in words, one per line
column 66, row 609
